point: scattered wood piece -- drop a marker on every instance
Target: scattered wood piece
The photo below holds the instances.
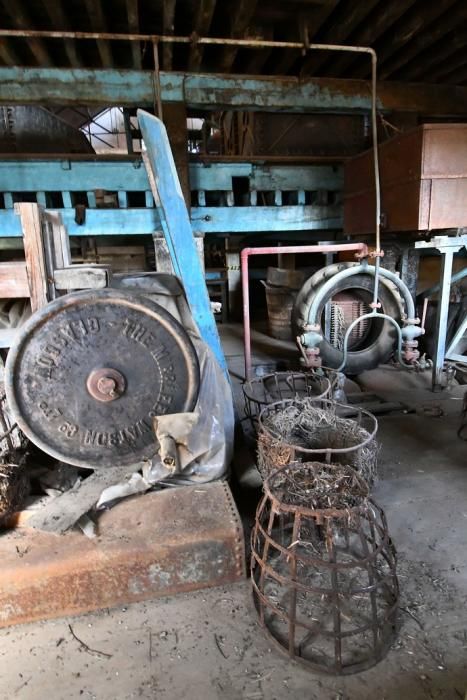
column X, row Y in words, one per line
column 218, row 645
column 86, row 648
column 63, row 512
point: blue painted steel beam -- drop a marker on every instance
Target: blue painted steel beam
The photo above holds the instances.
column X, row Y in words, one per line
column 177, row 229
column 212, row 91
column 209, row 220
column 54, row 175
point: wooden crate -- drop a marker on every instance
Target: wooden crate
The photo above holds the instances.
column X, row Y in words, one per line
column 423, row 182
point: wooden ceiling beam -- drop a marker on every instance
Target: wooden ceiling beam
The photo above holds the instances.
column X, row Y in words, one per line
column 380, row 20
column 8, row 54
column 402, row 33
column 168, row 22
column 98, row 24
column 339, row 26
column 435, row 32
column 313, row 23
column 22, row 20
column 432, row 62
column 201, row 27
column 240, row 21
column 455, row 60
column 458, row 76
column 59, row 20
column 133, row 24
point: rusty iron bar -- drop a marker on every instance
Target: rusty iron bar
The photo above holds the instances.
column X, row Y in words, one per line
column 324, row 578
column 360, row 248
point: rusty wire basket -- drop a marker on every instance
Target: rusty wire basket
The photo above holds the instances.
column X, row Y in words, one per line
column 317, row 430
column 324, row 576
column 279, row 386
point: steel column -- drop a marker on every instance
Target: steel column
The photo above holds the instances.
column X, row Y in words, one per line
column 442, row 317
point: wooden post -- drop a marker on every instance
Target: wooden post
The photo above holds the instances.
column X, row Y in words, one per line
column 30, row 215
column 175, row 123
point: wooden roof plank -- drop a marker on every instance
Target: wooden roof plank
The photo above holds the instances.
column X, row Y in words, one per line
column 378, row 22
column 402, row 33
column 435, row 32
column 341, row 23
column 98, row 24
column 201, row 27
column 133, row 25
column 242, row 16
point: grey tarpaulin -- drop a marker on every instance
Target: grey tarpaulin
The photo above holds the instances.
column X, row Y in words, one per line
column 203, row 439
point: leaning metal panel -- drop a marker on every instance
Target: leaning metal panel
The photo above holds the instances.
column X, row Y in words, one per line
column 88, row 373
column 323, row 568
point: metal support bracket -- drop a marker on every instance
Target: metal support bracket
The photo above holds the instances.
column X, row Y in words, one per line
column 447, row 246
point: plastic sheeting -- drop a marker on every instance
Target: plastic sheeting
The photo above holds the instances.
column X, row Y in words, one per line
column 202, row 439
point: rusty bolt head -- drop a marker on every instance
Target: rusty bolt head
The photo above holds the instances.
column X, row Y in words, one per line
column 106, row 384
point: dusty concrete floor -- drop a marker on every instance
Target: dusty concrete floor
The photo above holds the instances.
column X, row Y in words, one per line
column 208, row 645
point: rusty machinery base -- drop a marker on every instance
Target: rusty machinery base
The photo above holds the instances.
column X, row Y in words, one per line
column 162, row 543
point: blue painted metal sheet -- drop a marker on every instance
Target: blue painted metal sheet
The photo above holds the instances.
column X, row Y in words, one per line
column 177, row 228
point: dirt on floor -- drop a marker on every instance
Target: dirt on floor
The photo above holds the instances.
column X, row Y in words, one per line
column 208, row 645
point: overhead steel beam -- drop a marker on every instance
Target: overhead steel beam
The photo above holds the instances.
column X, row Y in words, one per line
column 212, row 91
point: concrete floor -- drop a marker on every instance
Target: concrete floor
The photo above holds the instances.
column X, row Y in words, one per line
column 208, row 645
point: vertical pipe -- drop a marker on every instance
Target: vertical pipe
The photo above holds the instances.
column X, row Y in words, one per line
column 246, row 312
column 442, row 318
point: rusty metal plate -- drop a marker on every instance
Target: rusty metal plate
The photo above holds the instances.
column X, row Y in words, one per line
column 89, row 371
column 172, row 541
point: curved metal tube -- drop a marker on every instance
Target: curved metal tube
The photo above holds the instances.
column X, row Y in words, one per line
column 350, row 272
column 373, row 314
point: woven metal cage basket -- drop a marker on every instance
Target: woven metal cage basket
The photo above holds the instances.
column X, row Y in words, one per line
column 323, row 568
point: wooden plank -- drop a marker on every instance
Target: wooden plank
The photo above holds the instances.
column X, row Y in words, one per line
column 13, row 280
column 62, row 512
column 34, row 253
column 406, row 30
column 348, row 17
column 318, row 14
column 22, row 20
column 59, row 20
column 201, row 27
column 8, row 54
column 435, row 32
column 380, row 20
column 133, row 24
column 98, row 24
column 175, row 116
column 168, row 20
column 243, row 11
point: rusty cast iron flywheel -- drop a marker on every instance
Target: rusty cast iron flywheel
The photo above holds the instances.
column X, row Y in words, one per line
column 88, row 373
